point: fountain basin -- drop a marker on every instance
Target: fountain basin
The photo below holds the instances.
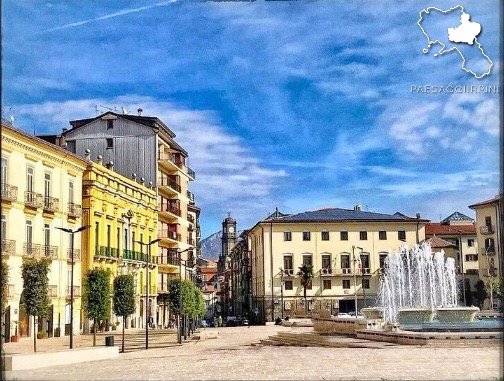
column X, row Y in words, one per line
column 415, row 315
column 372, row 312
column 456, row 314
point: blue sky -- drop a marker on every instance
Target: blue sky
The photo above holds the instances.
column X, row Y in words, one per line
column 296, row 105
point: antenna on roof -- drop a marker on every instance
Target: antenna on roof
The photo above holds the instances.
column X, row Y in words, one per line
column 124, row 111
column 108, row 108
column 96, row 110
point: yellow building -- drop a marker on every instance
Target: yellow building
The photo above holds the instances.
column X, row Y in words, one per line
column 489, row 230
column 122, row 214
column 345, row 247
column 41, row 191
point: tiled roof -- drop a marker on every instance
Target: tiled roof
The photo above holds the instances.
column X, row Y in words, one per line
column 443, row 229
column 337, row 214
column 494, row 200
column 439, row 243
column 457, row 216
column 208, row 288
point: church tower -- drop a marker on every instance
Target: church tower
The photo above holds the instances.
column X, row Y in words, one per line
column 228, row 235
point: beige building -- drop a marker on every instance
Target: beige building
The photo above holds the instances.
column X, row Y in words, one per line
column 345, row 247
column 41, row 190
column 489, row 230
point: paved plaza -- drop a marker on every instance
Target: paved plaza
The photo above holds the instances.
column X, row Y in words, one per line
column 235, row 355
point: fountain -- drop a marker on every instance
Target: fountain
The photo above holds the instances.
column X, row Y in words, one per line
column 416, row 286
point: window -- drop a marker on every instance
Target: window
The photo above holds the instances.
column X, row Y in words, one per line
column 289, row 285
column 108, row 236
column 307, row 259
column 118, row 239
column 326, row 261
column 71, row 191
column 488, row 221
column 365, row 283
column 346, row 284
column 29, row 178
column 110, row 124
column 382, row 235
column 47, row 240
column 287, row 236
column 325, row 236
column 382, row 260
column 471, row 257
column 326, row 285
column 288, row 265
column 345, row 261
column 4, row 170
column 489, row 244
column 29, row 236
column 97, row 235
column 401, row 234
column 3, row 230
column 110, row 143
column 470, row 242
column 363, row 235
column 47, row 185
column 364, row 263
column 343, row 235
column 125, row 239
column 306, row 235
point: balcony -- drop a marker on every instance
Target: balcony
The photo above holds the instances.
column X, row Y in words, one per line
column 190, row 218
column 152, row 290
column 31, row 250
column 130, row 255
column 76, row 255
column 50, row 252
column 190, row 196
column 76, row 291
column 34, row 200
column 326, row 271
column 488, row 251
column 365, row 271
column 288, row 272
column 170, row 161
column 9, row 192
column 107, row 252
column 489, row 229
column 343, row 271
column 51, row 204
column 53, row 291
column 8, row 247
column 170, row 186
column 190, row 241
column 191, row 174
column 74, row 210
column 172, row 235
column 170, row 208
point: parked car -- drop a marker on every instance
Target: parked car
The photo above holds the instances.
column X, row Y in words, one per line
column 231, row 321
column 242, row 320
column 203, row 324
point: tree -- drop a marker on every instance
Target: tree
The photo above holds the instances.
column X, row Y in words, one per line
column 468, row 294
column 36, row 289
column 96, row 296
column 306, row 274
column 480, row 294
column 124, row 299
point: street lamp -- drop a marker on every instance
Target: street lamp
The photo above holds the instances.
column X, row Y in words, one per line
column 179, row 333
column 363, row 272
column 355, row 275
column 147, row 306
column 462, row 266
column 281, row 290
column 72, row 233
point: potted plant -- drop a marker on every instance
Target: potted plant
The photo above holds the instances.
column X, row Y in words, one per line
column 15, row 338
column 41, row 334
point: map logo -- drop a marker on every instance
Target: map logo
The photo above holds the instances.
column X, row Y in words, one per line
column 454, row 29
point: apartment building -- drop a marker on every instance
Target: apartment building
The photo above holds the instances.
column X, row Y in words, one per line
column 144, row 148
column 122, row 214
column 459, row 230
column 489, row 232
column 41, row 191
column 346, row 248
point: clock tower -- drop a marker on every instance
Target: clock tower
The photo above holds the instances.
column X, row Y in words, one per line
column 228, row 235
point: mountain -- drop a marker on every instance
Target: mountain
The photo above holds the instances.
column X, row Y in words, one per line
column 211, row 246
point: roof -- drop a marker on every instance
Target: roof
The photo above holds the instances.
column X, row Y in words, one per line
column 456, row 217
column 494, row 200
column 276, row 214
column 438, row 243
column 44, row 142
column 337, row 214
column 437, row 228
column 208, row 288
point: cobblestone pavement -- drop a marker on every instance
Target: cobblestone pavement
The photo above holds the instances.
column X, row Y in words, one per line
column 232, row 357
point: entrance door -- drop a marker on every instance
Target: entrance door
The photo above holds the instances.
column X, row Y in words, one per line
column 24, row 319
column 7, row 333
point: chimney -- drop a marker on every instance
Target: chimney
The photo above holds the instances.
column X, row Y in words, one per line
column 357, row 208
column 418, row 216
column 100, row 159
column 64, row 129
column 87, row 154
column 140, row 112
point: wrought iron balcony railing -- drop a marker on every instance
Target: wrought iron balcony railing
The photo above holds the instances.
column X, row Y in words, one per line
column 163, row 182
column 51, row 204
column 74, row 210
column 190, row 196
column 53, row 291
column 171, row 208
column 9, row 192
column 488, row 250
column 76, row 255
column 109, row 252
column 32, row 250
column 8, row 247
column 191, row 173
column 326, row 271
column 50, row 252
column 165, row 233
column 76, row 291
column 489, row 229
column 34, row 200
column 288, row 272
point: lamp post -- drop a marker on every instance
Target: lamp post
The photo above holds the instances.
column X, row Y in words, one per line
column 462, row 266
column 355, row 276
column 281, row 290
column 490, row 275
column 72, row 233
column 147, row 306
column 179, row 333
column 362, row 282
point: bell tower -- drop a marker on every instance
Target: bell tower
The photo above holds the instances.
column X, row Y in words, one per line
column 228, row 235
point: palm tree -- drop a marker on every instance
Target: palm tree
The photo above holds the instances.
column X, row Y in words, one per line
column 306, row 274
